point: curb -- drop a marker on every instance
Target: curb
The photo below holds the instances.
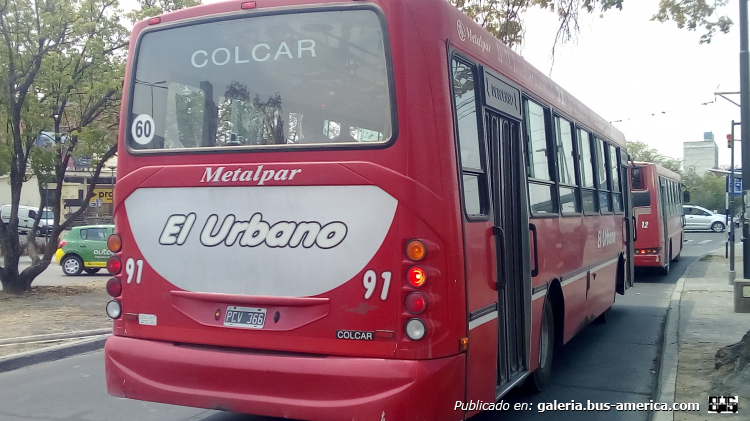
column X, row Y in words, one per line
column 52, row 353
column 56, row 336
column 667, row 379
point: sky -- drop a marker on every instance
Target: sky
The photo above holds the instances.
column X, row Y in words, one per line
column 649, row 79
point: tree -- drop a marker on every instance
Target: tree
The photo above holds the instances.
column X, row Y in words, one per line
column 639, row 151
column 61, row 71
column 504, row 19
column 708, row 190
column 62, row 65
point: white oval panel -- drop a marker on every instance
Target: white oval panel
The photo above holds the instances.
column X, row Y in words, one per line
column 171, row 225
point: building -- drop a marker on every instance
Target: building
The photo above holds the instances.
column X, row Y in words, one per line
column 701, row 156
column 77, row 180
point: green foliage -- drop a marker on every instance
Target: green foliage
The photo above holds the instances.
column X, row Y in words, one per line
column 505, row 19
column 62, row 65
column 695, row 14
column 151, row 8
column 639, row 151
column 5, row 152
column 708, row 191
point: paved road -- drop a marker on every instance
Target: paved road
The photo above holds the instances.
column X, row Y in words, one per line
column 696, row 245
column 612, row 362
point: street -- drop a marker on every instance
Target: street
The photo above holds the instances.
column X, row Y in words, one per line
column 616, row 362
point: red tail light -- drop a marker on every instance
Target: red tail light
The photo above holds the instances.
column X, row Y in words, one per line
column 114, row 265
column 114, row 287
column 62, row 244
column 416, row 276
column 416, row 303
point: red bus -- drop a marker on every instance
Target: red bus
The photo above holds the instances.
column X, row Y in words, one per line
column 657, row 207
column 335, row 211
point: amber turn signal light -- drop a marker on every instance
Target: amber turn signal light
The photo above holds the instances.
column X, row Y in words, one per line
column 416, row 250
column 114, row 243
column 463, row 344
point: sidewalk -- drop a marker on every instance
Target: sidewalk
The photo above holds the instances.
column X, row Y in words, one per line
column 701, row 321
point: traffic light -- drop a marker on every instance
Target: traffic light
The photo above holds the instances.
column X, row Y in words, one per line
column 729, row 141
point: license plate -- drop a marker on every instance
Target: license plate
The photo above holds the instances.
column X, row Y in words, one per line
column 249, row 317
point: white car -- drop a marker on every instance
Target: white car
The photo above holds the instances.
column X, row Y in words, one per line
column 698, row 218
column 26, row 217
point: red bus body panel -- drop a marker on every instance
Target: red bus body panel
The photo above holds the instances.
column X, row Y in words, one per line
column 333, row 388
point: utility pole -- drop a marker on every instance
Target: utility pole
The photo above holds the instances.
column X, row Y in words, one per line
column 745, row 133
column 730, row 190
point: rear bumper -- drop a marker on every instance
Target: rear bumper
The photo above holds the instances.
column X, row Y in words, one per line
column 647, row 261
column 285, row 385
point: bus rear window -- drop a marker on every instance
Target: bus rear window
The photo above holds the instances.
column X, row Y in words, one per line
column 284, row 80
column 641, row 199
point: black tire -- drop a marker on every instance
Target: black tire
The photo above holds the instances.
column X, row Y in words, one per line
column 717, row 227
column 539, row 378
column 91, row 271
column 604, row 317
column 72, row 265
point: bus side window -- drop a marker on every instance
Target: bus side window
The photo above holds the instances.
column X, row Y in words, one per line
column 603, row 175
column 589, row 196
column 570, row 201
column 614, row 164
column 539, row 155
column 469, row 142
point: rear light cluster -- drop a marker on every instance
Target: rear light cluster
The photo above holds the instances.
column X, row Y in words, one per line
column 416, row 302
column 647, row 251
column 114, row 285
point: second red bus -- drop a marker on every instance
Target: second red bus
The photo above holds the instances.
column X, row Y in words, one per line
column 657, row 208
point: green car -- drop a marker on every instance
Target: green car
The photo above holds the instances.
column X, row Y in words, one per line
column 84, row 249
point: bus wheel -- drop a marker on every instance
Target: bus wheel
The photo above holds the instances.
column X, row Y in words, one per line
column 604, row 317
column 539, row 378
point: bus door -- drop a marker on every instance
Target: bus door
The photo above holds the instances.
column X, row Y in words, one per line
column 663, row 196
column 512, row 239
column 626, row 282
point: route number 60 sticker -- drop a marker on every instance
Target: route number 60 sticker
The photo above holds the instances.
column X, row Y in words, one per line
column 143, row 129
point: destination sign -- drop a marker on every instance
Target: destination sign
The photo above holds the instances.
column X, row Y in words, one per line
column 502, row 96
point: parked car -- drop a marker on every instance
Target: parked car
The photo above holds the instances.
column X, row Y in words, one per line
column 26, row 217
column 84, row 249
column 698, row 218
